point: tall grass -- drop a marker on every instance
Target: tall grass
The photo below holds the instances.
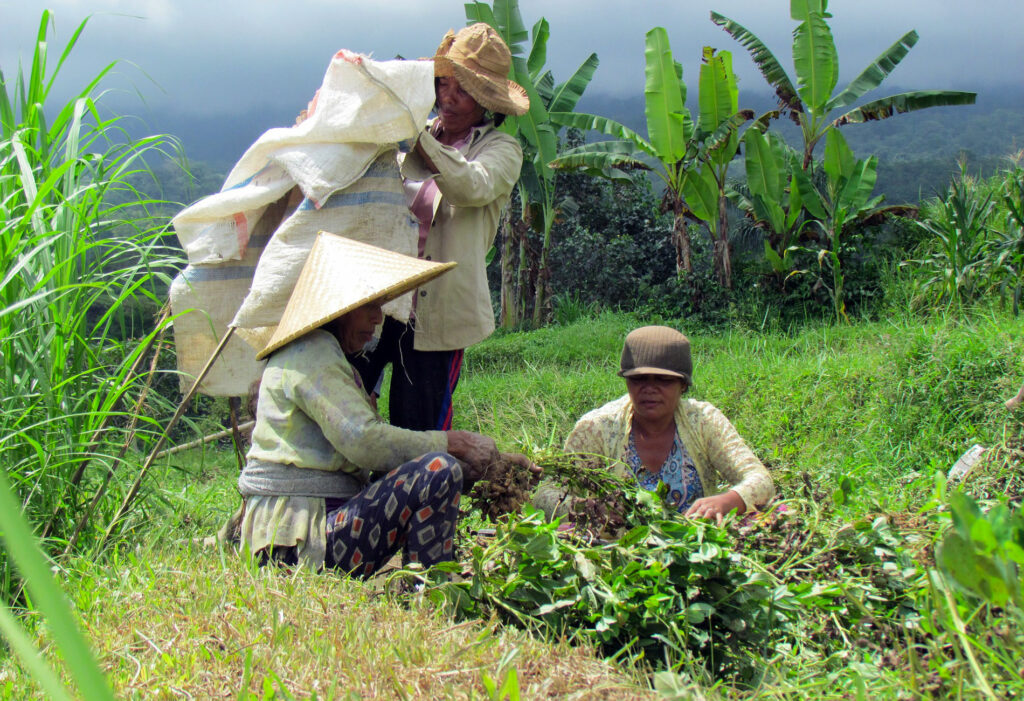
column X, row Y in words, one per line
column 82, row 254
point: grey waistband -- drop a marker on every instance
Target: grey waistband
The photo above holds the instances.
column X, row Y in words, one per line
column 273, row 479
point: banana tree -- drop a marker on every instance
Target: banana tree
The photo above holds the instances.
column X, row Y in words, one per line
column 811, row 104
column 717, row 141
column 774, row 202
column 845, row 199
column 691, row 158
column 538, row 135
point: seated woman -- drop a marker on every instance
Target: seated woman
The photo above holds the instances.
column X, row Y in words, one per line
column 653, row 434
column 308, row 494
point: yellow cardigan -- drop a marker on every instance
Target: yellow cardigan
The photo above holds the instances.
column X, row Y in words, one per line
column 601, row 437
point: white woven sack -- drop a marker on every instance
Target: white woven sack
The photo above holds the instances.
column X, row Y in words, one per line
column 371, row 210
column 343, row 159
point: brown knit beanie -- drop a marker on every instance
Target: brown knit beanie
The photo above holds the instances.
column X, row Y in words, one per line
column 656, row 350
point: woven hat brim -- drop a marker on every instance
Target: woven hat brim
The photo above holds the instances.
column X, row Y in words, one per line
column 647, row 370
column 492, row 92
column 341, row 275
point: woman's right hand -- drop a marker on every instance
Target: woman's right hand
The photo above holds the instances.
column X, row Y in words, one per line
column 474, row 450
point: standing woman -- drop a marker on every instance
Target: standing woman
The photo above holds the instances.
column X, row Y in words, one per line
column 458, row 179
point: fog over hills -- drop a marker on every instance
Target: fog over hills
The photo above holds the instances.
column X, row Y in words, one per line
column 987, row 132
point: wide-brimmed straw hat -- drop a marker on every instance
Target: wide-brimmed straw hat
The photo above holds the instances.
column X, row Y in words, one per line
column 480, row 60
column 341, row 275
column 656, row 350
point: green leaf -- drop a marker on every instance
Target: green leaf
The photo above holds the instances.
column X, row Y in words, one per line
column 773, row 258
column 765, row 61
column 602, row 158
column 839, row 159
column 809, row 195
column 763, row 169
column 701, row 194
column 591, row 122
column 799, row 10
column 872, row 76
column 634, row 536
column 45, row 593
column 718, row 96
column 699, row 612
column 539, row 50
column 541, row 547
column 668, row 121
column 856, row 194
column 568, row 94
column 904, row 102
column 816, row 62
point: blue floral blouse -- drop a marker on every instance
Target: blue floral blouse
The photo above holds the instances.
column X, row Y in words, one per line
column 678, row 472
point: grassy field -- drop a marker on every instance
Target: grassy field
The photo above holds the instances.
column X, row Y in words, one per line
column 854, row 422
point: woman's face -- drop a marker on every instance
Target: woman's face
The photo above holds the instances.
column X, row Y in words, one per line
column 654, row 397
column 355, row 329
column 456, row 109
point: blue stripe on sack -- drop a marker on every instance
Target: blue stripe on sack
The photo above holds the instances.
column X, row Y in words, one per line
column 241, row 184
column 382, row 168
column 356, row 199
column 194, row 274
column 260, row 240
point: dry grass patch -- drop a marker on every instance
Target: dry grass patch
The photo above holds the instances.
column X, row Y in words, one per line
column 196, row 625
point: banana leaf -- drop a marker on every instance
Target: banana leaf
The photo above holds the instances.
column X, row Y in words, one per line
column 601, row 156
column 764, row 59
column 719, row 97
column 810, row 198
column 592, row 122
column 904, row 102
column 839, row 159
column 539, row 50
column 764, row 172
column 668, row 123
column 872, row 76
column 816, row 62
column 799, row 10
column 700, row 190
column 569, row 93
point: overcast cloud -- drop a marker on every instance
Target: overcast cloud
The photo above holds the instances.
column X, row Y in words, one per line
column 219, row 57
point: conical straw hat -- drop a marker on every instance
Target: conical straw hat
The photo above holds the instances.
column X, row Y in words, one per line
column 341, row 275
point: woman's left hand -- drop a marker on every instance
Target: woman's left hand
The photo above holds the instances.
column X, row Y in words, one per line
column 718, row 506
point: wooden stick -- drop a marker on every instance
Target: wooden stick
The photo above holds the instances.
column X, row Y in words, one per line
column 87, row 514
column 133, row 492
column 1012, row 404
column 205, row 439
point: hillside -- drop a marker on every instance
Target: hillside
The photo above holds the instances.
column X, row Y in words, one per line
column 917, row 152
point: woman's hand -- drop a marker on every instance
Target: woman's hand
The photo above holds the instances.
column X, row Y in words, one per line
column 474, row 450
column 718, row 506
column 524, row 462
column 434, row 131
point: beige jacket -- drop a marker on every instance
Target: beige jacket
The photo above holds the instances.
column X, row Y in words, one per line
column 454, row 311
column 718, row 452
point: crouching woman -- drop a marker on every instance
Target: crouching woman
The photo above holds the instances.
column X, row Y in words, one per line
column 310, row 498
column 654, row 434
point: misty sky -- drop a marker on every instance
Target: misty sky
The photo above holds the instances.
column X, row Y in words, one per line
column 220, row 57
